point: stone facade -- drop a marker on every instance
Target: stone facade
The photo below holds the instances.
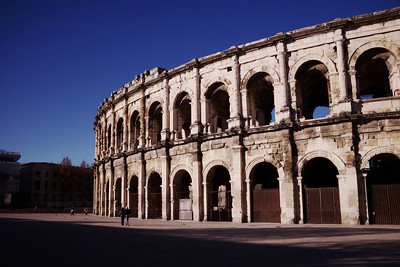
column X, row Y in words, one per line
column 294, row 128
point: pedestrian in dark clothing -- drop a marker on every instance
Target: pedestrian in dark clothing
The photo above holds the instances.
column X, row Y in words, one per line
column 122, row 214
column 127, row 214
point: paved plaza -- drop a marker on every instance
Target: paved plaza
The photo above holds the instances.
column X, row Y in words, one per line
column 80, row 240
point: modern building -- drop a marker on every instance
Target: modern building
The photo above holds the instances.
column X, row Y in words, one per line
column 300, row 127
column 50, row 185
column 9, row 178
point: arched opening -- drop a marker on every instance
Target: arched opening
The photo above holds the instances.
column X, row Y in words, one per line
column 261, row 99
column 120, row 133
column 183, row 116
column 135, row 130
column 107, row 199
column 117, row 195
column 109, row 135
column 134, row 196
column 312, row 89
column 155, row 123
column 265, row 201
column 383, row 189
column 154, row 197
column 218, row 112
column 321, row 192
column 183, row 198
column 219, row 194
column 373, row 74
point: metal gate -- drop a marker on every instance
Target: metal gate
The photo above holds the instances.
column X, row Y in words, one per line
column 266, row 205
column 154, row 207
column 220, row 209
column 322, row 205
column 384, row 204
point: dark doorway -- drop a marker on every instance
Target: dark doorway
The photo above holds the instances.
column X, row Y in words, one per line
column 219, row 195
column 154, row 199
column 383, row 189
column 265, row 194
column 183, row 196
column 321, row 199
column 134, row 196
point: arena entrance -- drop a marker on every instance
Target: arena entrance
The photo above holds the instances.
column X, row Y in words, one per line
column 134, row 196
column 265, row 201
column 219, row 195
column 321, row 200
column 117, row 196
column 183, row 196
column 383, row 189
column 154, row 200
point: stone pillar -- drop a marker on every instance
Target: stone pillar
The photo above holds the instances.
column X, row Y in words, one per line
column 300, row 185
column 205, row 199
column 113, row 132
column 235, row 117
column 197, row 182
column 286, row 201
column 204, row 117
column 349, row 197
column 143, row 121
column 237, row 185
column 126, row 128
column 142, row 189
column 283, row 108
column 364, row 215
column 124, row 184
column 165, row 186
column 165, row 117
column 245, row 107
column 248, row 199
column 341, row 63
column 112, row 206
column 195, row 112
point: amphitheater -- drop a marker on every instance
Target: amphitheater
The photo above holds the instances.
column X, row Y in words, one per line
column 300, row 127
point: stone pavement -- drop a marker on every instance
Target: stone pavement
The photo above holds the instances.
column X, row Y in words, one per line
column 65, row 240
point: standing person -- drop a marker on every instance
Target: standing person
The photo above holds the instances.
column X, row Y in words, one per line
column 122, row 214
column 72, row 211
column 85, row 210
column 127, row 213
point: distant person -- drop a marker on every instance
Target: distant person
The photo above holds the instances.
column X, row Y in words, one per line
column 72, row 211
column 127, row 214
column 36, row 209
column 85, row 210
column 122, row 214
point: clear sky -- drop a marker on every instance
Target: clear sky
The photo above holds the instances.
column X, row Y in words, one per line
column 60, row 58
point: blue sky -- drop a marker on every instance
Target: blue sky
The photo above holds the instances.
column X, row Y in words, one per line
column 59, row 59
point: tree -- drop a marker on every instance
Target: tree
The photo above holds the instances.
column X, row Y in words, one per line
column 66, row 161
column 84, row 164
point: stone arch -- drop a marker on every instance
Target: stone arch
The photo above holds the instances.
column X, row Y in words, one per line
column 260, row 98
column 335, row 159
column 215, row 163
column 393, row 48
column 364, row 162
column 312, row 57
column 275, row 76
column 270, row 160
column 182, row 115
column 392, row 63
column 175, row 93
column 180, row 167
column 218, row 107
column 208, row 83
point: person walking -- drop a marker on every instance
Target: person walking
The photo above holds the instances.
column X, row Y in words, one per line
column 122, row 214
column 127, row 214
